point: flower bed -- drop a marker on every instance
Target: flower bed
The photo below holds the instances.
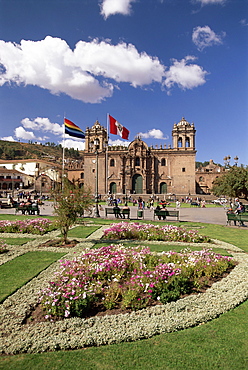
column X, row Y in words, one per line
column 32, row 226
column 135, row 230
column 128, row 278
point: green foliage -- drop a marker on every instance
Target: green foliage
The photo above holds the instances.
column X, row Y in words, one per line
column 205, row 346
column 70, row 202
column 234, row 183
column 18, row 150
column 20, row 270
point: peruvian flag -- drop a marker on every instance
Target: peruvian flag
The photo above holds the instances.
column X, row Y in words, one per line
column 116, row 128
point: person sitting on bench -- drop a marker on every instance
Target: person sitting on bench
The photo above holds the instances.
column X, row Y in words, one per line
column 117, row 211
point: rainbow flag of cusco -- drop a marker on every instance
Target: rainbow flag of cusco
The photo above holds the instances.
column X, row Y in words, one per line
column 73, row 130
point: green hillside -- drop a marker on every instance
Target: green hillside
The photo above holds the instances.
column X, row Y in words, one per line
column 48, row 151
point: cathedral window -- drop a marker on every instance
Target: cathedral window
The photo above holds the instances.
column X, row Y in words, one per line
column 137, row 161
column 183, row 169
column 163, row 162
column 112, row 162
column 180, row 142
column 82, row 175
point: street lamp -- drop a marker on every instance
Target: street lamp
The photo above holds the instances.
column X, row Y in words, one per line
column 96, row 142
column 227, row 161
column 236, row 160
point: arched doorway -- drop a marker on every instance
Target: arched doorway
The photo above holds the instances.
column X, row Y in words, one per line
column 163, row 188
column 112, row 188
column 137, row 184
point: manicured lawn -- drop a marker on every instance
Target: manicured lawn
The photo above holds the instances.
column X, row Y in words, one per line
column 17, row 272
column 21, row 217
column 219, row 344
column 159, row 247
column 82, row 231
column 236, row 236
column 16, row 241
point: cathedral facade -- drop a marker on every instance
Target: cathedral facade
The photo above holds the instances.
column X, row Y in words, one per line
column 138, row 168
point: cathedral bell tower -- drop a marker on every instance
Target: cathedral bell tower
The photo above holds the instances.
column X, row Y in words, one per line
column 96, row 138
column 95, row 158
column 183, row 135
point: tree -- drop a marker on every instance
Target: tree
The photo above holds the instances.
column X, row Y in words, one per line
column 70, row 202
column 234, row 183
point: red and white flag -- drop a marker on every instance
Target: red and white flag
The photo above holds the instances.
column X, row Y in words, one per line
column 116, row 128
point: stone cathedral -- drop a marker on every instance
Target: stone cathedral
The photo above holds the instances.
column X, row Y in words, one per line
column 138, row 168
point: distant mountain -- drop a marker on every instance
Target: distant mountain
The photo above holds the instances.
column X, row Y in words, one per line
column 49, row 151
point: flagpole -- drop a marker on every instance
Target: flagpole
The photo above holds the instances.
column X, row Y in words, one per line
column 106, row 158
column 63, row 158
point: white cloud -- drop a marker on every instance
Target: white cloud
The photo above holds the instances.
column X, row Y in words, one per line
column 118, row 142
column 210, row 2
column 51, row 64
column 38, row 124
column 21, row 133
column 42, row 124
column 186, row 76
column 111, row 7
column 89, row 72
column 7, row 138
column 154, row 133
column 204, row 37
column 121, row 62
column 69, row 143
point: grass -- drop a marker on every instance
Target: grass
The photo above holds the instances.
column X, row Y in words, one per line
column 236, row 236
column 16, row 241
column 82, row 231
column 11, row 217
column 156, row 247
column 219, row 344
column 17, row 272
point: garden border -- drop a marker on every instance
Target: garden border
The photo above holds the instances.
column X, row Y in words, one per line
column 74, row 333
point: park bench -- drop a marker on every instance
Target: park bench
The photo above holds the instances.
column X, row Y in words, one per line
column 29, row 209
column 5, row 205
column 173, row 214
column 240, row 218
column 118, row 213
column 165, row 213
column 125, row 212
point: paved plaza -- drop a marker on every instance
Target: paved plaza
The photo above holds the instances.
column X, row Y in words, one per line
column 214, row 215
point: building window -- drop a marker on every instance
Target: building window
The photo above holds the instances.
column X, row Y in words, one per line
column 183, row 169
column 163, row 162
column 201, row 179
column 137, row 161
column 82, row 175
column 180, row 143
column 187, row 142
column 112, row 162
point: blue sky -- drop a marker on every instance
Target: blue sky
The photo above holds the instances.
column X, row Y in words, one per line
column 148, row 63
